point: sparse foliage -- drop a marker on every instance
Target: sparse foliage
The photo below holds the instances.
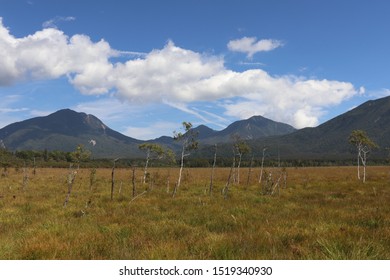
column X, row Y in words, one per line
column 273, row 185
column 364, row 145
column 80, row 155
column 154, row 151
column 70, row 180
column 240, row 148
column 189, row 143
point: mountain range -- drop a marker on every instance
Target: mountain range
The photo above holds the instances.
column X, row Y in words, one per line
column 65, row 129
column 330, row 139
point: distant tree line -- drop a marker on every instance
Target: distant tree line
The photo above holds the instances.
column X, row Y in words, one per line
column 157, row 156
column 63, row 159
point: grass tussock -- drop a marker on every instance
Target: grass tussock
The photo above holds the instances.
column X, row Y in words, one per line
column 323, row 213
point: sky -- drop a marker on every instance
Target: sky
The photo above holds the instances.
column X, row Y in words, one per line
column 145, row 66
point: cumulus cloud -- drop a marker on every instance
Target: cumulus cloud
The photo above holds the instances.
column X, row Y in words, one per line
column 250, row 45
column 170, row 75
column 50, row 54
column 289, row 99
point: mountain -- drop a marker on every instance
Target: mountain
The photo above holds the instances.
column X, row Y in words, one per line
column 330, row 139
column 204, row 132
column 253, row 128
column 64, row 130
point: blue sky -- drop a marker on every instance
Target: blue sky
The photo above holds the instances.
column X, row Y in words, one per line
column 145, row 66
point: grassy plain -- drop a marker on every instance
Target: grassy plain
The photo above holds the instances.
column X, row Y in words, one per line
column 323, row 213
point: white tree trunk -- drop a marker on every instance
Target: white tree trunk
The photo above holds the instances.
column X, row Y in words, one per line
column 358, row 165
column 146, row 166
column 364, row 161
column 181, row 168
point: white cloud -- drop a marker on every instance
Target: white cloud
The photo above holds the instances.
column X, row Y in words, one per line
column 171, row 75
column 288, row 99
column 306, row 117
column 250, row 45
column 52, row 23
column 50, row 54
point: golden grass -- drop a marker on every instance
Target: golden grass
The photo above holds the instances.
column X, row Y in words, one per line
column 324, row 213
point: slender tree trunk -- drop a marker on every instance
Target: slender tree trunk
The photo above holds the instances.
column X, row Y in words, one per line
column 358, row 164
column 174, row 190
column 71, row 177
column 249, row 172
column 177, row 185
column 225, row 190
column 234, row 175
column 181, row 169
column 364, row 173
column 212, row 171
column 146, row 166
column 364, row 161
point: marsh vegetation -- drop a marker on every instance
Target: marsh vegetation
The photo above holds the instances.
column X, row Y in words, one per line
column 321, row 213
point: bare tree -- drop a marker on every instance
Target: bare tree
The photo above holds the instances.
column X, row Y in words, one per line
column 249, row 172
column 225, row 189
column 189, row 143
column 240, row 148
column 364, row 145
column 153, row 151
column 70, row 180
